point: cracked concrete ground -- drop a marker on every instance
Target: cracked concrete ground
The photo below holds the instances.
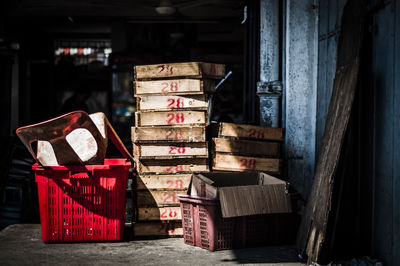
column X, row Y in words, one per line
column 22, row 245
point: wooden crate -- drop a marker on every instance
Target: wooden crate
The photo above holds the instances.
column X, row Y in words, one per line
column 172, row 166
column 188, row 69
column 159, row 214
column 168, row 134
column 177, row 181
column 227, row 162
column 172, row 102
column 170, row 150
column 170, row 228
column 158, row 198
column 171, row 118
column 247, row 147
column 174, row 87
column 247, row 131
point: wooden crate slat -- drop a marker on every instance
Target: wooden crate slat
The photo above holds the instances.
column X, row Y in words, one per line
column 159, row 214
column 172, row 166
column 170, row 150
column 171, row 118
column 226, row 162
column 188, row 69
column 159, row 198
column 174, row 87
column 172, row 102
column 247, row 131
column 247, row 147
column 177, row 181
column 168, row 134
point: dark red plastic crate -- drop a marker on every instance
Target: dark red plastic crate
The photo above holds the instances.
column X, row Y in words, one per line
column 82, row 203
column 204, row 226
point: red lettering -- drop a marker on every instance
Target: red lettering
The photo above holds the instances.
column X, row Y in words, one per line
column 164, row 214
column 248, row 163
column 179, row 184
column 180, row 118
column 165, row 87
column 170, row 118
column 174, row 86
column 171, row 103
column 172, row 150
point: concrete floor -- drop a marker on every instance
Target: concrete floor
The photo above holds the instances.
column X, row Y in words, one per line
column 22, row 245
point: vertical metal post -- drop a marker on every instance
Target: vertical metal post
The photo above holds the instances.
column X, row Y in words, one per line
column 269, row 87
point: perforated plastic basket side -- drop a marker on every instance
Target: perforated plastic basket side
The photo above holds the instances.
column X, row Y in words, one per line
column 82, row 203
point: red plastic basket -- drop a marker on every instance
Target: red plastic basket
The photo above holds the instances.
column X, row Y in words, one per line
column 204, row 226
column 82, row 203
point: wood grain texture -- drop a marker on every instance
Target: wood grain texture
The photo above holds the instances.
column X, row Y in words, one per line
column 312, row 233
column 172, row 166
column 177, row 181
column 168, row 134
column 247, row 132
column 171, row 118
column 158, row 229
column 174, row 87
column 170, row 150
column 189, row 69
column 247, row 147
column 172, row 103
column 158, row 198
column 159, row 214
column 226, row 162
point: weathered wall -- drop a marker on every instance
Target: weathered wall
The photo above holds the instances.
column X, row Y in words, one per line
column 330, row 14
column 300, row 95
column 385, row 171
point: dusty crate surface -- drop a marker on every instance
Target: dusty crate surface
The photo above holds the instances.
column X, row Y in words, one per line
column 22, row 245
column 174, row 87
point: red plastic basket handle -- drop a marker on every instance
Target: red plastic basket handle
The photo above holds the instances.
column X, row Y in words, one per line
column 55, row 130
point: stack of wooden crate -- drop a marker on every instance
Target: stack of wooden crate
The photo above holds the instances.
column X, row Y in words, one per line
column 169, row 139
column 238, row 147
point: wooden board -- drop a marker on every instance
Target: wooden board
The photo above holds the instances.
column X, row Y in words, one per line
column 158, row 198
column 247, row 147
column 189, row 69
column 168, row 134
column 317, row 230
column 172, row 166
column 172, row 102
column 179, row 181
column 247, row 131
column 174, row 87
column 226, row 162
column 171, row 118
column 158, row 229
column 170, row 150
column 159, row 214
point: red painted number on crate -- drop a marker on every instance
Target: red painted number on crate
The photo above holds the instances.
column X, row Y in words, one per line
column 252, row 133
column 175, row 118
column 174, row 134
column 168, row 213
column 169, row 86
column 173, row 104
column 169, row 197
column 172, row 169
column 176, row 150
column 178, row 184
column 166, row 69
column 248, row 163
